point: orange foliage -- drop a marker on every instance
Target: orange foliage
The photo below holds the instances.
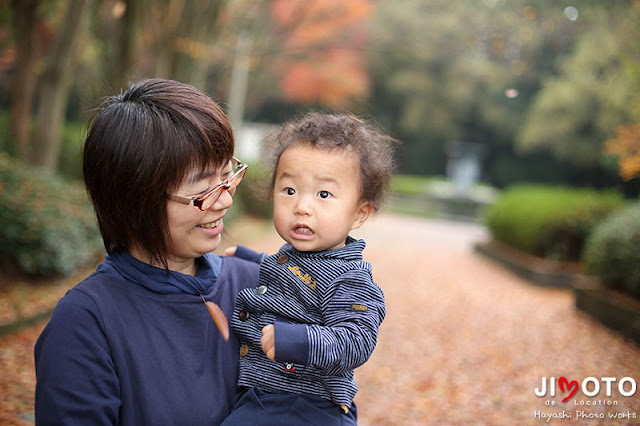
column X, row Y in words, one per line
column 324, row 49
column 626, row 146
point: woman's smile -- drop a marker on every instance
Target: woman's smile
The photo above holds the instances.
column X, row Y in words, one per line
column 211, row 228
column 211, row 225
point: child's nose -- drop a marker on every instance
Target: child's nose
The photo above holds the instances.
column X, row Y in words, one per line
column 303, row 206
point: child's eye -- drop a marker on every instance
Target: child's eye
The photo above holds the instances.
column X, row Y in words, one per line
column 289, row 191
column 324, row 194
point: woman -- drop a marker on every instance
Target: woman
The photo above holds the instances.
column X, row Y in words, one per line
column 134, row 343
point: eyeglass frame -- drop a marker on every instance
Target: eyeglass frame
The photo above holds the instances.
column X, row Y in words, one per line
column 226, row 185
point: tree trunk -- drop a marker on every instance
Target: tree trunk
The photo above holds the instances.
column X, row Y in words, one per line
column 130, row 42
column 164, row 37
column 206, row 34
column 54, row 88
column 198, row 25
column 25, row 74
column 239, row 81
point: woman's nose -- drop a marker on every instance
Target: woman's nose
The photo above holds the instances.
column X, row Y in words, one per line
column 224, row 201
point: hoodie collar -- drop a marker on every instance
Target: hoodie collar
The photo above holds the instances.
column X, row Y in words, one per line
column 124, row 266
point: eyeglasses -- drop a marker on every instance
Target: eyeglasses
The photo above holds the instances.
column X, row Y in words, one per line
column 205, row 201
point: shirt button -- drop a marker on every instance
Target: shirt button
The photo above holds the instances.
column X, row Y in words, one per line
column 283, row 258
column 244, row 350
column 261, row 290
column 243, row 315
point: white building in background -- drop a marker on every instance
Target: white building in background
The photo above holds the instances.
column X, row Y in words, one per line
column 464, row 166
column 248, row 138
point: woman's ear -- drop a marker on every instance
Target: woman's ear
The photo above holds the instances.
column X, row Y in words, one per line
column 362, row 214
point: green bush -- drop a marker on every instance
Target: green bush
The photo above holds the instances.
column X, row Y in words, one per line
column 47, row 226
column 409, row 184
column 612, row 251
column 550, row 222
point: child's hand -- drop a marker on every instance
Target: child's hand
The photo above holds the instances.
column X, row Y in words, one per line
column 268, row 341
column 230, row 251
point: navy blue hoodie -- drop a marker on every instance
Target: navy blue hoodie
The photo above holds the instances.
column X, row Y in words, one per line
column 133, row 345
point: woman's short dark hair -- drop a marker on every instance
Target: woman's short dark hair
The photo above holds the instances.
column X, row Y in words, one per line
column 141, row 144
column 371, row 145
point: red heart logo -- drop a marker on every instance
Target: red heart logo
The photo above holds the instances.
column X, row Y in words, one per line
column 570, row 385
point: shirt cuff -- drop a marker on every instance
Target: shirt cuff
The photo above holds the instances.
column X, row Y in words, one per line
column 247, row 254
column 292, row 344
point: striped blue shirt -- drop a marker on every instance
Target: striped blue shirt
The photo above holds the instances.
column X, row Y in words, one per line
column 326, row 309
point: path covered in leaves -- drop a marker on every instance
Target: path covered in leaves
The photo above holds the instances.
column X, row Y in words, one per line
column 464, row 341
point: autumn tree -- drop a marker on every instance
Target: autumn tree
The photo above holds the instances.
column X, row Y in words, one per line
column 26, row 23
column 626, row 147
column 55, row 85
column 53, row 82
column 173, row 39
column 285, row 56
column 109, row 43
column 462, row 71
column 538, row 84
column 323, row 41
column 576, row 111
column 129, row 44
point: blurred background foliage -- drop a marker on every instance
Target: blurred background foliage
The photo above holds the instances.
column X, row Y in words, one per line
column 611, row 251
column 550, row 222
column 46, row 224
column 548, row 89
column 542, row 85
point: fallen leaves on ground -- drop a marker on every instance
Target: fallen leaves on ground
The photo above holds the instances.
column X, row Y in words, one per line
column 17, row 381
column 22, row 298
column 464, row 341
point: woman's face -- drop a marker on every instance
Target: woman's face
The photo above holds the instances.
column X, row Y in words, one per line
column 194, row 232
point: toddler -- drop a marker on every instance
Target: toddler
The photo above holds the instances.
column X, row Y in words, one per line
column 315, row 315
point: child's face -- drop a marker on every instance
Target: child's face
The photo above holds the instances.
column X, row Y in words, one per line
column 316, row 197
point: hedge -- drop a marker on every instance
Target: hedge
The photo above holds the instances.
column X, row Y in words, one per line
column 549, row 222
column 409, row 184
column 47, row 226
column 612, row 251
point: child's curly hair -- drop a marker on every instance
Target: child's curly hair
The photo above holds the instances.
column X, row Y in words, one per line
column 339, row 131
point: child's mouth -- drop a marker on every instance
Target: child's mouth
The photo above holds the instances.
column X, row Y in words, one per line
column 302, row 232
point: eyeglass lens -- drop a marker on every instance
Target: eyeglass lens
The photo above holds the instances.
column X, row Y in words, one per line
column 230, row 186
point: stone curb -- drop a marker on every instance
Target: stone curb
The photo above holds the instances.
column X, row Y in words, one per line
column 543, row 272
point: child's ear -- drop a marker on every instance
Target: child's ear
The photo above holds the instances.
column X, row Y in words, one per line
column 362, row 214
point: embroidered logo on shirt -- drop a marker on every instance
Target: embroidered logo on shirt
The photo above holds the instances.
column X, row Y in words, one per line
column 358, row 308
column 306, row 278
column 289, row 367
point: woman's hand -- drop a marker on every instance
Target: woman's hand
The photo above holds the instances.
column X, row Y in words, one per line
column 230, row 251
column 268, row 341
